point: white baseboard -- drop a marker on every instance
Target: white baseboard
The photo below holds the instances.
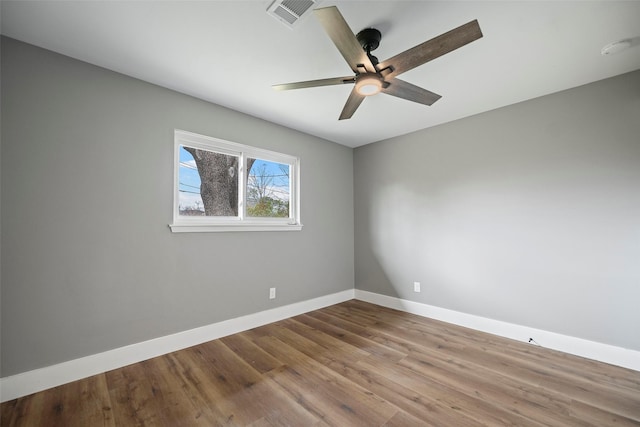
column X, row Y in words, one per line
column 51, row 376
column 30, row 382
column 577, row 346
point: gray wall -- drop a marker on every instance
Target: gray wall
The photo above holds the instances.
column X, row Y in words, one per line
column 528, row 214
column 88, row 261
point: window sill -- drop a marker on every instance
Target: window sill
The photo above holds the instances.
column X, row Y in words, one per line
column 216, row 228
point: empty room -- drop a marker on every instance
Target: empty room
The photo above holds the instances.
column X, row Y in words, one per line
column 314, row 212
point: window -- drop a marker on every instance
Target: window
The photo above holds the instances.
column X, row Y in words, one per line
column 224, row 186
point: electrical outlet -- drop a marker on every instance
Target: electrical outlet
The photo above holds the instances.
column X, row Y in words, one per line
column 272, row 293
column 416, row 286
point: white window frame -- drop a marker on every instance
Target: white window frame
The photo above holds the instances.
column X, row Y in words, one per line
column 187, row 224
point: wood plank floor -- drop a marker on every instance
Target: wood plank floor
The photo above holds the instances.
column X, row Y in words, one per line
column 351, row 364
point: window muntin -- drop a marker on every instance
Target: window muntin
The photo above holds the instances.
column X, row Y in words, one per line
column 225, row 186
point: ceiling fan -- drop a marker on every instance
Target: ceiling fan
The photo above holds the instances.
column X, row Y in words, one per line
column 372, row 76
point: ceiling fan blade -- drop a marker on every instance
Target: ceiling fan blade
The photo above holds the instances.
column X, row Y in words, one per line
column 432, row 49
column 353, row 102
column 410, row 92
column 315, row 83
column 338, row 30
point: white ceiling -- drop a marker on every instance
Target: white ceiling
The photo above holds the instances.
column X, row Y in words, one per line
column 231, row 52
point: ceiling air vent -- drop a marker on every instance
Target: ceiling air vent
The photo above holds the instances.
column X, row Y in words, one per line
column 291, row 12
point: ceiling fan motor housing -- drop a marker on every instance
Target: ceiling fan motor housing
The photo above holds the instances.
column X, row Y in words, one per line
column 369, row 39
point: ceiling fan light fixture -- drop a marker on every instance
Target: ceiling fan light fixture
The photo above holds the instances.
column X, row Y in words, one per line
column 368, row 84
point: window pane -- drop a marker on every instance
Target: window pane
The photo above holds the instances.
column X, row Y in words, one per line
column 208, row 183
column 268, row 189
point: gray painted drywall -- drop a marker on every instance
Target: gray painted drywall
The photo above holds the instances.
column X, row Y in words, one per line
column 88, row 261
column 528, row 214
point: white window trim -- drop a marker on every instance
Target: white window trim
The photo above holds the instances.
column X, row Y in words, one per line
column 183, row 224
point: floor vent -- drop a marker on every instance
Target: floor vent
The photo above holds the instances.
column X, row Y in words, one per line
column 291, row 12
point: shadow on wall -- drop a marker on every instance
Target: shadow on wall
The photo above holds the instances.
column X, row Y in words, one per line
column 415, row 236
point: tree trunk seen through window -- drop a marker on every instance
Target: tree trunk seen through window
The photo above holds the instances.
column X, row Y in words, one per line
column 218, row 181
